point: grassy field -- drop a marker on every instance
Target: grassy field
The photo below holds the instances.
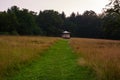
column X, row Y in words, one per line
column 58, row 63
column 48, row 58
column 16, row 51
column 102, row 55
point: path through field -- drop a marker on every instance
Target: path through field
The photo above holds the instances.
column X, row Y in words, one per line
column 58, row 63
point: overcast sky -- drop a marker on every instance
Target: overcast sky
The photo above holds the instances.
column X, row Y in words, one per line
column 68, row 6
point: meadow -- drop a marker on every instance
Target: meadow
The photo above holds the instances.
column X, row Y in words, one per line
column 103, row 56
column 84, row 58
column 17, row 51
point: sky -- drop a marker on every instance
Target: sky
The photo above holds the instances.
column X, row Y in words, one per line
column 68, row 6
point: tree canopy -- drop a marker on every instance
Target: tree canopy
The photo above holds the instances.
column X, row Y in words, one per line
column 16, row 21
column 111, row 20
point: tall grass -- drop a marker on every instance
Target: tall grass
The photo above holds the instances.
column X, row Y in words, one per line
column 16, row 51
column 102, row 55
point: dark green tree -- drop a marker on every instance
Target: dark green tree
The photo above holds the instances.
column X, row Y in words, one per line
column 111, row 20
column 50, row 22
column 26, row 20
column 85, row 25
column 8, row 23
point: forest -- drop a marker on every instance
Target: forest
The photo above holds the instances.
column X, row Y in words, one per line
column 16, row 21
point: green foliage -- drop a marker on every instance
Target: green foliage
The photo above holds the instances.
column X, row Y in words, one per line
column 111, row 20
column 18, row 21
column 85, row 25
column 7, row 22
column 111, row 25
column 50, row 22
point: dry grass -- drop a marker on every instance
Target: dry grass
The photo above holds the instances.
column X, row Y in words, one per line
column 16, row 51
column 102, row 55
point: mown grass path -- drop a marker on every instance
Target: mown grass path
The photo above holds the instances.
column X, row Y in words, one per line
column 58, row 63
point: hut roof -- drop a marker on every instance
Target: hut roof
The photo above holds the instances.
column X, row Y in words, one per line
column 66, row 32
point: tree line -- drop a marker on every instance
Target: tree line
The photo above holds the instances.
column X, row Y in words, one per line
column 16, row 21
